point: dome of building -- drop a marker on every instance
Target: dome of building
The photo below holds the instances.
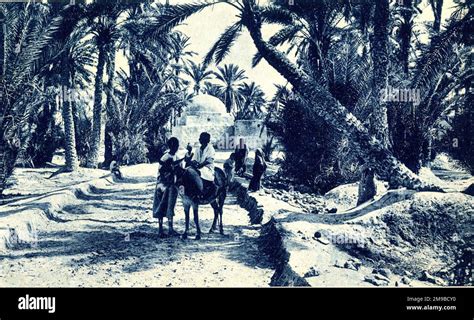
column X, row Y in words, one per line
column 203, row 113
column 205, row 103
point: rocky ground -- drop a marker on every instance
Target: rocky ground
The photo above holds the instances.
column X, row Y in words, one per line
column 401, row 238
column 424, row 240
column 444, row 172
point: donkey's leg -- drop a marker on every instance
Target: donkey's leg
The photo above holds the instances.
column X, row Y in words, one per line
column 186, row 206
column 221, row 200
column 196, row 220
column 215, row 207
column 172, row 198
column 221, row 226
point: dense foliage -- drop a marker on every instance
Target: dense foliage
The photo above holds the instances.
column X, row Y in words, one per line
column 61, row 88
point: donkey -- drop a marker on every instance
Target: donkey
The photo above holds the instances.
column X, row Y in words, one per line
column 190, row 188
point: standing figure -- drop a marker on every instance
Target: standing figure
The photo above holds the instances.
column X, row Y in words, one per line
column 229, row 168
column 259, row 168
column 166, row 192
column 241, row 154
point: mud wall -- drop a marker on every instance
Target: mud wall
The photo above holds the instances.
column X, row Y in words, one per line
column 271, row 241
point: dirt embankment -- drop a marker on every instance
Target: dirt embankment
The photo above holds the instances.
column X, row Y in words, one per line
column 271, row 243
column 429, row 236
column 420, row 239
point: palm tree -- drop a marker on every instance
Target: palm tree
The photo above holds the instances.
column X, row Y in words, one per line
column 179, row 51
column 252, row 100
column 122, row 36
column 310, row 28
column 407, row 11
column 440, row 72
column 105, row 34
column 108, row 153
column 44, row 139
column 74, row 64
column 73, row 67
column 213, row 90
column 436, row 73
column 230, row 77
column 199, row 74
column 378, row 124
column 335, row 114
column 125, row 35
column 153, row 91
column 380, row 59
column 276, row 104
column 68, row 59
column 27, row 32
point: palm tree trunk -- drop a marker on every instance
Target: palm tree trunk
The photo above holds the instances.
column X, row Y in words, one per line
column 378, row 121
column 7, row 162
column 468, row 104
column 437, row 7
column 378, row 125
column 336, row 115
column 93, row 157
column 3, row 167
column 2, row 43
column 406, row 34
column 44, row 137
column 69, row 133
column 108, row 155
column 44, row 130
column 66, row 110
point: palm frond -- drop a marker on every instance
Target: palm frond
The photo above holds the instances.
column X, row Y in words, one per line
column 223, row 45
column 440, row 49
column 277, row 39
column 173, row 15
column 278, row 15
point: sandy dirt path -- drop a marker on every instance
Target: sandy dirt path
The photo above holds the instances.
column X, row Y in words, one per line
column 108, row 238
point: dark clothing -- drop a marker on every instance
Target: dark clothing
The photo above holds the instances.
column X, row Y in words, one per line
column 166, row 175
column 197, row 188
column 188, row 157
column 117, row 173
column 229, row 170
column 259, row 168
column 240, row 157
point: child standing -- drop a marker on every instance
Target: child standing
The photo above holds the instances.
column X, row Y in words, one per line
column 166, row 192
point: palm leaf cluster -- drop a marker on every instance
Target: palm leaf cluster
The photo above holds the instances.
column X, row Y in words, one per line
column 27, row 31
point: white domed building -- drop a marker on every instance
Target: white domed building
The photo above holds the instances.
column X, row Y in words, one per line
column 203, row 113
column 208, row 113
